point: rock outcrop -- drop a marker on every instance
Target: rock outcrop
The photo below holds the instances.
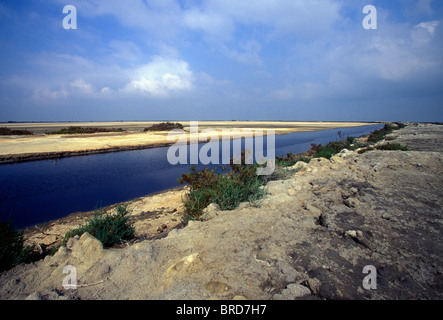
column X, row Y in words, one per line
column 309, row 238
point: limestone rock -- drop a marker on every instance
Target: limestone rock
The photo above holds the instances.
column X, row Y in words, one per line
column 87, row 248
column 46, row 295
column 292, row 291
column 49, row 240
column 210, row 212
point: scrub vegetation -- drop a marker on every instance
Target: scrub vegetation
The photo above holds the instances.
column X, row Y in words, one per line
column 164, row 126
column 110, row 229
column 82, row 130
column 9, row 132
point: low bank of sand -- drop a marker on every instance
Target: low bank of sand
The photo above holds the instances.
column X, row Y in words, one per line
column 41, row 146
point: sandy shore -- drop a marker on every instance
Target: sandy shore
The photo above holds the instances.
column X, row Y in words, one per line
column 41, row 146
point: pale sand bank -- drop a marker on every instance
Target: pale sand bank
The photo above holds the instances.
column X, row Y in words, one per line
column 41, row 146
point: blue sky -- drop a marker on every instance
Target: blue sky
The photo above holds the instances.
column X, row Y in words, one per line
column 221, row 60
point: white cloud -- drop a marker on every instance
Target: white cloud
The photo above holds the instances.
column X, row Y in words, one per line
column 81, row 86
column 157, row 18
column 161, row 78
column 222, row 22
column 423, row 32
column 106, row 90
column 281, row 16
column 211, row 23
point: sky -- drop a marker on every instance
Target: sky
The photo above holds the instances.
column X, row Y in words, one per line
column 294, row 60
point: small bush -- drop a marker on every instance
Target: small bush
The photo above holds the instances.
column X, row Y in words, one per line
column 327, row 151
column 227, row 190
column 290, row 160
column 9, row 132
column 387, row 147
column 12, row 249
column 399, row 126
column 81, row 130
column 231, row 190
column 380, row 134
column 366, row 149
column 109, row 229
column 164, row 126
column 392, row 147
column 332, row 148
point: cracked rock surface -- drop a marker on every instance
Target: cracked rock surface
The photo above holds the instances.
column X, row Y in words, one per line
column 309, row 238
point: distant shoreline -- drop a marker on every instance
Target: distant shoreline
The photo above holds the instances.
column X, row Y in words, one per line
column 17, row 149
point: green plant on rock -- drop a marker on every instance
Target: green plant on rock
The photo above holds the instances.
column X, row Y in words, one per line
column 110, row 229
column 392, row 147
column 12, row 248
column 290, row 160
column 226, row 189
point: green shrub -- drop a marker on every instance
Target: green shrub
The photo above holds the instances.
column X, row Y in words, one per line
column 81, row 130
column 290, row 160
column 164, row 126
column 195, row 201
column 12, row 249
column 392, row 147
column 380, row 134
column 227, row 190
column 332, row 148
column 366, row 149
column 109, row 229
column 9, row 132
column 329, row 150
column 231, row 190
column 399, row 126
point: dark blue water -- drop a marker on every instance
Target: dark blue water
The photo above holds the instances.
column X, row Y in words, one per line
column 40, row 191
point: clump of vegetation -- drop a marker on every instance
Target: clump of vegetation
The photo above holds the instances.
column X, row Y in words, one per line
column 386, row 147
column 227, row 189
column 350, row 143
column 12, row 248
column 399, row 125
column 333, row 147
column 290, row 160
column 82, row 130
column 381, row 134
column 392, row 147
column 109, row 229
column 8, row 132
column 164, row 126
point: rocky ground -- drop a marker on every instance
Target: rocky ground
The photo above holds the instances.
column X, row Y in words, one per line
column 152, row 216
column 309, row 238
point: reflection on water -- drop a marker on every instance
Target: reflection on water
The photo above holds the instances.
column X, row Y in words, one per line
column 39, row 191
